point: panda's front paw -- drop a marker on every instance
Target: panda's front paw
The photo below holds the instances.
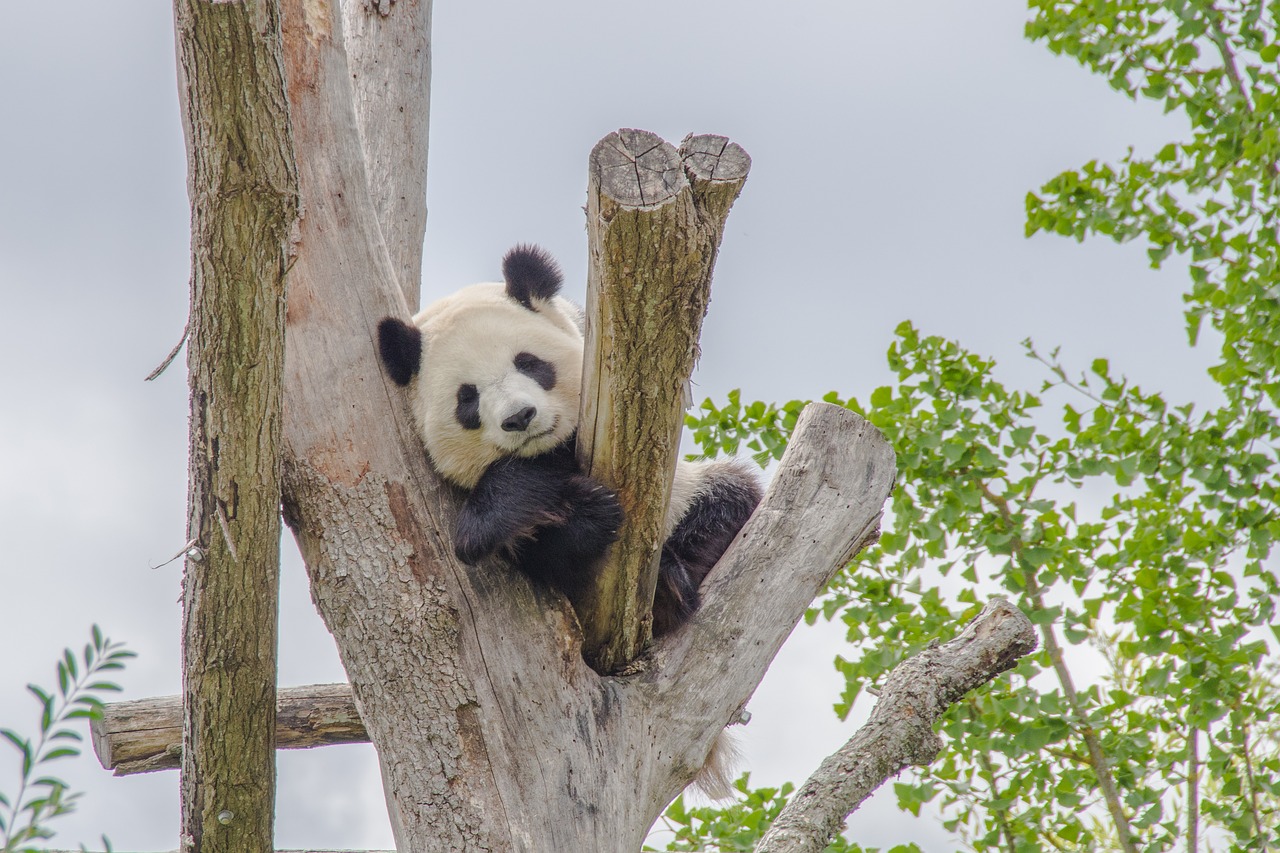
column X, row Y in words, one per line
column 597, row 512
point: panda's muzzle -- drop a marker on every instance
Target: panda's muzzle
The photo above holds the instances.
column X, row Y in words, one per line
column 520, row 421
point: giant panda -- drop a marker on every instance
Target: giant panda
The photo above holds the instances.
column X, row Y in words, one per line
column 494, row 374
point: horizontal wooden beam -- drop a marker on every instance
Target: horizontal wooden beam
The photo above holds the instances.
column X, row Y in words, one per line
column 146, row 734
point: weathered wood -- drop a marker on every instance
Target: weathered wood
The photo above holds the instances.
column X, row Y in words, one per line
column 244, row 203
column 388, row 45
column 146, row 735
column 370, row 516
column 840, row 470
column 900, row 731
column 823, row 506
column 492, row 732
column 655, row 217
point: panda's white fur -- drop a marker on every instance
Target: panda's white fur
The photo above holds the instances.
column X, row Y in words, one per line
column 472, row 337
column 494, row 374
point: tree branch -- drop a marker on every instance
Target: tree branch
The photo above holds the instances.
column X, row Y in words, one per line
column 1097, row 756
column 900, row 730
column 823, row 506
column 1218, row 35
column 388, row 46
column 655, row 217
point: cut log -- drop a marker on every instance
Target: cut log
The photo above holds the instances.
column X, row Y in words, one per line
column 655, row 217
column 146, row 735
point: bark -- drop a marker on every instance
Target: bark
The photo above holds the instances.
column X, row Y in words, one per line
column 388, row 45
column 900, row 731
column 573, row 760
column 243, row 191
column 655, row 217
column 146, row 735
column 492, row 732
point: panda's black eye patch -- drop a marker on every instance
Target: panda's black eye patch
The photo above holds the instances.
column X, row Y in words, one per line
column 542, row 372
column 468, row 411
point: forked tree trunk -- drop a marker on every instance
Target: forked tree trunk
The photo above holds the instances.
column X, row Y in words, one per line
column 655, row 217
column 492, row 732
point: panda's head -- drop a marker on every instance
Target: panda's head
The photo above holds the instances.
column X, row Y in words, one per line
column 493, row 370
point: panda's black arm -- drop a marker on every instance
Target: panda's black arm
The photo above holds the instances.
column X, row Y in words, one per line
column 512, row 499
column 565, row 555
column 554, row 521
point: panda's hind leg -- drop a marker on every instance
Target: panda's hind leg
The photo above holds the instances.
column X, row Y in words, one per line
column 718, row 496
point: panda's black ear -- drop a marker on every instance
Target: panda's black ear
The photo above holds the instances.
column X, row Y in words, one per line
column 531, row 273
column 400, row 345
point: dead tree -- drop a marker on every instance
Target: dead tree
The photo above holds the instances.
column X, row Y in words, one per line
column 503, row 719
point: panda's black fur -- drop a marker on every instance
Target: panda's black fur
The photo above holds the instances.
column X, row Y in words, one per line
column 528, row 500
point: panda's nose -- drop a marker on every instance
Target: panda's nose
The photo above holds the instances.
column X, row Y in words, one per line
column 520, row 420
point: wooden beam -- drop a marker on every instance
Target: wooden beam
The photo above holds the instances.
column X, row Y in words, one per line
column 146, row 735
column 655, row 217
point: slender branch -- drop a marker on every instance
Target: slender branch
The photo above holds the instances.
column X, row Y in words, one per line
column 173, row 353
column 1005, row 829
column 900, row 730
column 1253, row 787
column 1193, row 789
column 1219, row 37
column 1101, row 768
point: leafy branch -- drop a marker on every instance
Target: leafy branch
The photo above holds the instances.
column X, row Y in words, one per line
column 41, row 798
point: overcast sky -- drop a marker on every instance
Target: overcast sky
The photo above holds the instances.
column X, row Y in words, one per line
column 893, row 145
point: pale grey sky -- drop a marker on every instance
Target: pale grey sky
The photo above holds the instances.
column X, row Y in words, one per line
column 893, row 145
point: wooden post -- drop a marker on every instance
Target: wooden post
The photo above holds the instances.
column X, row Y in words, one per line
column 244, row 201
column 655, row 217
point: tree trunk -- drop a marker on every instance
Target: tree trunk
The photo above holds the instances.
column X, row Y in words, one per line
column 243, row 191
column 492, row 731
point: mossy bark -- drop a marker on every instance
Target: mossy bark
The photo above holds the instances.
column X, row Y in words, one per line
column 243, row 191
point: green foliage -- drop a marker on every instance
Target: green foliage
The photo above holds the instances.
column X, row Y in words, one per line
column 1137, row 533
column 1139, row 523
column 1212, row 198
column 737, row 828
column 40, row 798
